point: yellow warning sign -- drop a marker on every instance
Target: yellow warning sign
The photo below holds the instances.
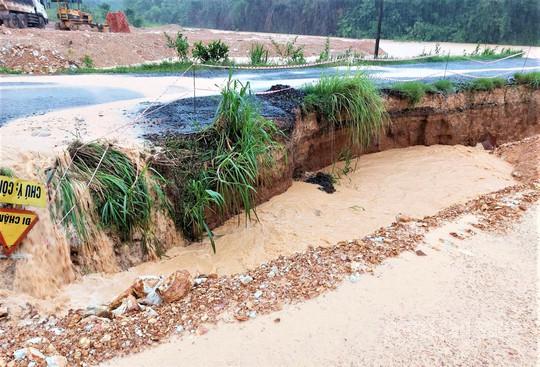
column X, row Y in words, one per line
column 22, row 192
column 14, row 226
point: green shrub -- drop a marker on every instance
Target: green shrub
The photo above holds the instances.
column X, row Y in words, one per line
column 325, row 54
column 444, row 85
column 258, row 54
column 88, row 62
column 530, row 79
column 351, row 99
column 486, row 84
column 413, row 91
column 180, row 44
column 289, row 52
column 215, row 52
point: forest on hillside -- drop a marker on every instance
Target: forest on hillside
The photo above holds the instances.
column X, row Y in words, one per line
column 484, row 21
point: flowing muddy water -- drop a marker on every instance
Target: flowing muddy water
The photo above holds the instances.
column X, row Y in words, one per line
column 415, row 181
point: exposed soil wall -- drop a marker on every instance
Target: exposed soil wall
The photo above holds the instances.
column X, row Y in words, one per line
column 468, row 118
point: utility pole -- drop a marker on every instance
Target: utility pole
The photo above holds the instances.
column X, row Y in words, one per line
column 379, row 25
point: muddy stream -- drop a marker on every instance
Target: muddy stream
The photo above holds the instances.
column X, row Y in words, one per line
column 415, row 181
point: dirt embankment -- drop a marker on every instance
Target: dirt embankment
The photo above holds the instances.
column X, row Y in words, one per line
column 509, row 114
column 48, row 50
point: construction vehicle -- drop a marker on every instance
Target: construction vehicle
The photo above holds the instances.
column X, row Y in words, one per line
column 71, row 16
column 23, row 13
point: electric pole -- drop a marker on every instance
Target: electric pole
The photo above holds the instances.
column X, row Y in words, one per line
column 379, row 25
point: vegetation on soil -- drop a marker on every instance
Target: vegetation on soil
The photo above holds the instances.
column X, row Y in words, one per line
column 486, row 84
column 88, row 62
column 218, row 170
column 214, row 52
column 290, row 52
column 349, row 99
column 122, row 192
column 444, row 86
column 325, row 54
column 180, row 44
column 413, row 91
column 258, row 54
column 162, row 67
column 530, row 79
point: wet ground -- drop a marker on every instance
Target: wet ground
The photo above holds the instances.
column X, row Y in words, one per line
column 21, row 99
column 29, row 95
column 189, row 115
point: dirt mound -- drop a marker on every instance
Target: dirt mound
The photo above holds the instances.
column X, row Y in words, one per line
column 32, row 60
column 524, row 155
column 117, row 22
column 146, row 45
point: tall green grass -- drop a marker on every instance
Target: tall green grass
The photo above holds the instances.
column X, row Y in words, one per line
column 350, row 99
column 258, row 54
column 219, row 171
column 531, row 79
column 122, row 193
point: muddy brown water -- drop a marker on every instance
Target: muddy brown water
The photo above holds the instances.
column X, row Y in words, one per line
column 416, row 181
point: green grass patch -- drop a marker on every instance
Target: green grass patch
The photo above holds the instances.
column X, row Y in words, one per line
column 4, row 70
column 413, row 91
column 530, row 79
column 163, row 67
column 350, row 99
column 444, row 86
column 486, row 84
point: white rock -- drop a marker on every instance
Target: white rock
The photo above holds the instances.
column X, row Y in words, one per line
column 19, row 354
column 245, row 279
column 56, row 361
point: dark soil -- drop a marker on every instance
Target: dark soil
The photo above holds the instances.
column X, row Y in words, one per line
column 191, row 115
column 324, row 180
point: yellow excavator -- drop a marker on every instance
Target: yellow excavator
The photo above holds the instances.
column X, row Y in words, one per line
column 71, row 17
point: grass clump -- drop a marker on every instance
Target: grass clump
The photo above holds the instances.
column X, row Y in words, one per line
column 325, row 54
column 88, row 62
column 530, row 79
column 258, row 54
column 413, row 91
column 290, row 52
column 444, row 86
column 351, row 99
column 122, row 193
column 486, row 84
column 218, row 170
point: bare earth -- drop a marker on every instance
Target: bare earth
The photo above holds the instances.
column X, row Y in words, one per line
column 47, row 50
column 468, row 302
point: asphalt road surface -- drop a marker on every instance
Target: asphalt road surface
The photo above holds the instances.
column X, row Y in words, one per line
column 29, row 95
